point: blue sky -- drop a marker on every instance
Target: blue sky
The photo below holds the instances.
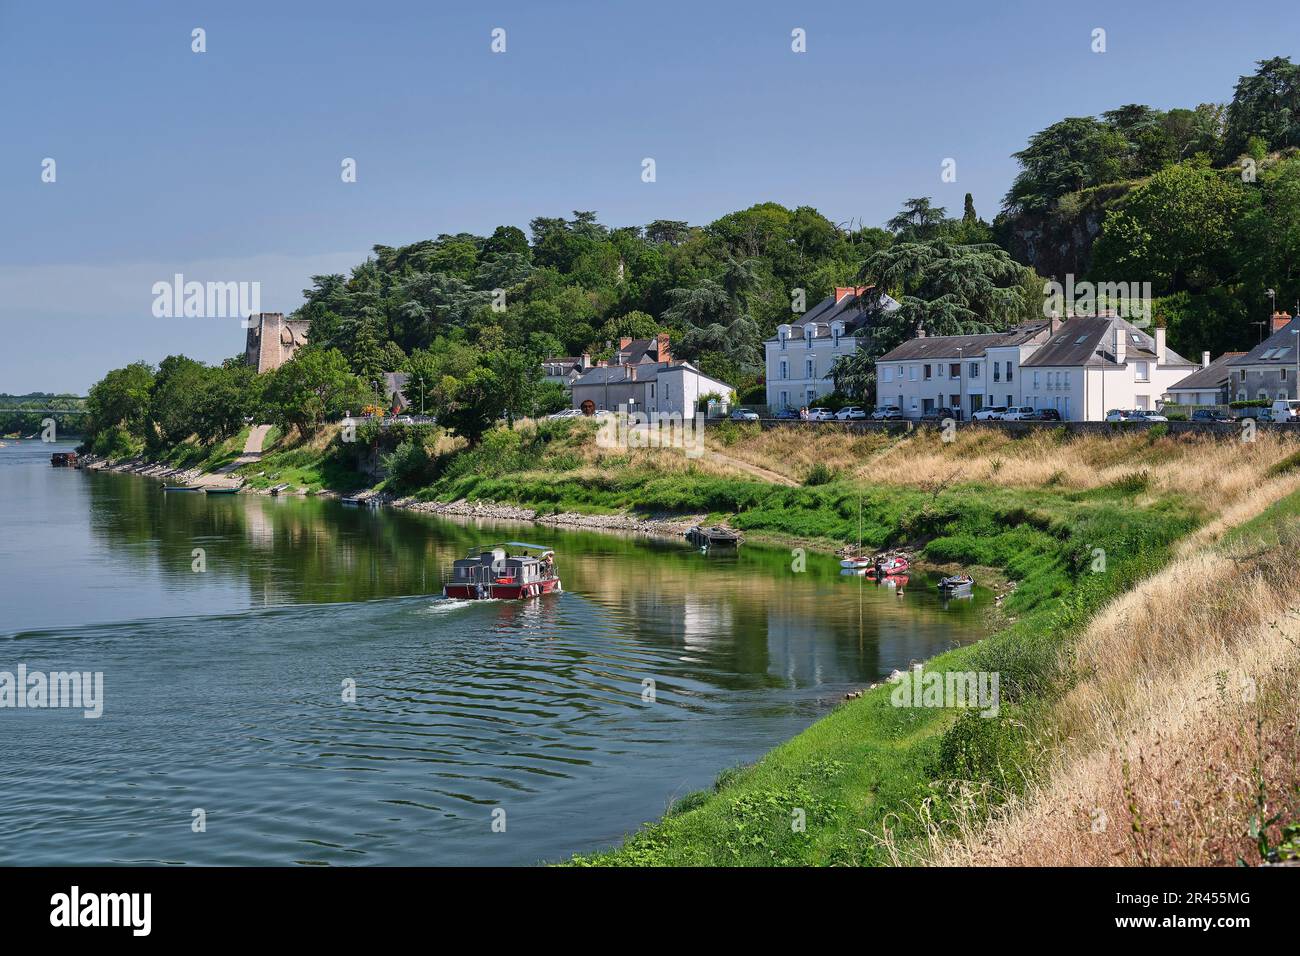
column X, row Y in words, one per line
column 225, row 165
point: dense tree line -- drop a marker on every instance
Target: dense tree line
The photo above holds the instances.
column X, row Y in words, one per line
column 1202, row 203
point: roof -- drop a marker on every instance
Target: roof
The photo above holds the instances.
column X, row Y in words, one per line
column 635, row 374
column 1278, row 349
column 1214, row 375
column 638, row 351
column 1089, row 341
column 847, row 310
column 961, row 346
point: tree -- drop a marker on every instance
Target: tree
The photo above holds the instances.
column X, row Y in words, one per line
column 119, row 407
column 314, row 385
column 918, row 221
column 1180, row 230
column 1266, row 104
column 1066, row 157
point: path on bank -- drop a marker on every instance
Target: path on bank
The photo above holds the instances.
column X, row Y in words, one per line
column 252, row 449
column 754, row 470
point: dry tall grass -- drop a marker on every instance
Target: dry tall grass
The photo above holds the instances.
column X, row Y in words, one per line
column 1219, row 470
column 1181, row 734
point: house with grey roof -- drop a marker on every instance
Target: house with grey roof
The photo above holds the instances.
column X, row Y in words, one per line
column 1269, row 370
column 1093, row 364
column 648, row 387
column 1208, row 385
column 960, row 372
column 800, row 356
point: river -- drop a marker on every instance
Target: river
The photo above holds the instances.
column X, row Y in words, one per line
column 480, row 733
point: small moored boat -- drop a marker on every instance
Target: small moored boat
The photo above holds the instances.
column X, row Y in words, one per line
column 504, row 571
column 859, row 563
column 889, row 565
column 956, row 584
column 715, row 537
column 182, row 487
column 221, row 491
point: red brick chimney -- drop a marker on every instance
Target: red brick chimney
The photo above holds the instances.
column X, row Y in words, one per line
column 624, row 342
column 843, row 292
column 1280, row 319
column 665, row 354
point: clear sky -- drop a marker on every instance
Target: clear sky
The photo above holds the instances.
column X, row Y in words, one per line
column 225, row 165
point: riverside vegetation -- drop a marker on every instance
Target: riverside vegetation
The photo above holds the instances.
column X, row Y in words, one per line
column 1146, row 570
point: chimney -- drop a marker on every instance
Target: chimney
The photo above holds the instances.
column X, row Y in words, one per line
column 602, row 364
column 920, row 331
column 665, row 354
column 1161, row 348
column 1280, row 319
column 584, row 361
column 1205, row 360
column 843, row 292
column 624, row 342
column 1055, row 323
column 1121, row 345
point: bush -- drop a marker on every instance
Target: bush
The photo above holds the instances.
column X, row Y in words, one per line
column 409, row 465
column 819, row 474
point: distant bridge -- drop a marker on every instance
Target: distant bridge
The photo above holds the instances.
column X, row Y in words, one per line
column 48, row 411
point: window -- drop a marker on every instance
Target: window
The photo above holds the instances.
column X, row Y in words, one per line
column 1241, row 377
column 911, row 373
column 974, row 370
column 785, row 369
column 927, row 373
column 1067, row 379
column 1140, row 372
column 810, row 368
column 652, row 389
column 997, row 372
column 1035, row 381
column 954, row 370
column 1283, row 373
column 1008, row 371
column 887, row 373
column 954, row 401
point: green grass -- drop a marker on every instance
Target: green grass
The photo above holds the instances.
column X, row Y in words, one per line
column 870, row 765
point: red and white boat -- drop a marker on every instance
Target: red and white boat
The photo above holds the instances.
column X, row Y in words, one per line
column 889, row 565
column 504, row 572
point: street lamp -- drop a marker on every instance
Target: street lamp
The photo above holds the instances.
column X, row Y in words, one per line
column 961, row 390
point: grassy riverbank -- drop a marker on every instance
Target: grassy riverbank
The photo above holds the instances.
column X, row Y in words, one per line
column 1081, row 525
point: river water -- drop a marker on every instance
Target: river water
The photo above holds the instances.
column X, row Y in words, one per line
column 226, row 738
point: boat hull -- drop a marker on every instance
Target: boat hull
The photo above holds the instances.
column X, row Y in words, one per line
column 502, row 591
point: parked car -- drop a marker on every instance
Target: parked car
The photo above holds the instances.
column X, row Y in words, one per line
column 786, row 414
column 887, row 413
column 743, row 415
column 1119, row 415
column 1145, row 415
column 941, row 413
column 1019, row 413
column 820, row 415
column 849, row 412
column 1286, row 410
column 1209, row 415
column 566, row 413
column 1047, row 415
column 989, row 413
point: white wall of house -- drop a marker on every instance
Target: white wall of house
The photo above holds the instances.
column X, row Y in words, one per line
column 1194, row 396
column 917, row 387
column 679, row 389
column 1083, row 393
column 799, row 367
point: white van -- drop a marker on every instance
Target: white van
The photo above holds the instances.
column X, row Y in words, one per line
column 1286, row 410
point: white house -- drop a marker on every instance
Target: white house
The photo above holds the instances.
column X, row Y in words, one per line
column 1091, row 365
column 800, row 356
column 663, row 387
column 966, row 372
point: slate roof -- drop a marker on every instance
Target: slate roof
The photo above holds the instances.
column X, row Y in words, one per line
column 972, row 346
column 828, row 310
column 623, row 374
column 1214, row 375
column 1088, row 341
column 1278, row 349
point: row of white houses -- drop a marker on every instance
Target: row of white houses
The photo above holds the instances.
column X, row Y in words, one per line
column 1082, row 367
